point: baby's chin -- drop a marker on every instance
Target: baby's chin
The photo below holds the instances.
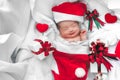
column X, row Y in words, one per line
column 73, row 36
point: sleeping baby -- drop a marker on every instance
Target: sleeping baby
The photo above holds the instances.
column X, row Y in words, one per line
column 71, row 49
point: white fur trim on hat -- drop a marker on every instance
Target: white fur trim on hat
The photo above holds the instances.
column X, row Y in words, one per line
column 80, row 72
column 62, row 17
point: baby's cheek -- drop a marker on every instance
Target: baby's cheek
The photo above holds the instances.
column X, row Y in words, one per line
column 64, row 34
column 75, row 28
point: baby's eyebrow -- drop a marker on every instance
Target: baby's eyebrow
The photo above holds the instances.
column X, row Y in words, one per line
column 73, row 24
column 64, row 27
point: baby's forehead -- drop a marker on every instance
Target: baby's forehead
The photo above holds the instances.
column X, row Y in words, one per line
column 67, row 23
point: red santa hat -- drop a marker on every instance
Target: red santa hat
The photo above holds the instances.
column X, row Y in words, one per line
column 74, row 11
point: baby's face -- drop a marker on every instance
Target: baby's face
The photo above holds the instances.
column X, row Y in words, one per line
column 69, row 29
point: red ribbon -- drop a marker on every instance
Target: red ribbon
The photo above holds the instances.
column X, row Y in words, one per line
column 98, row 54
column 46, row 47
column 93, row 15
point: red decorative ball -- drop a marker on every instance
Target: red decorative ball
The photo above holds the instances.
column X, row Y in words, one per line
column 110, row 18
column 41, row 27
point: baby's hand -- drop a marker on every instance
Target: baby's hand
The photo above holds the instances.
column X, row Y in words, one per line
column 83, row 34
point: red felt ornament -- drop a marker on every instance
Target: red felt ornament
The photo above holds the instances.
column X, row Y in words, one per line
column 46, row 47
column 41, row 27
column 110, row 18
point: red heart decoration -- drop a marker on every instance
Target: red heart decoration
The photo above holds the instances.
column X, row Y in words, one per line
column 110, row 18
column 41, row 27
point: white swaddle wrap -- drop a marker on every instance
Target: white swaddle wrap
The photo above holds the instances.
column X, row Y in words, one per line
column 16, row 18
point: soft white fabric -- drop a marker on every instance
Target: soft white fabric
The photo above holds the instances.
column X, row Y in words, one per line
column 114, row 73
column 71, row 47
column 14, row 19
column 16, row 70
column 106, row 36
column 40, row 7
column 35, row 46
column 114, row 4
column 3, row 38
column 37, row 69
column 109, row 34
column 108, row 29
column 8, row 43
column 15, row 16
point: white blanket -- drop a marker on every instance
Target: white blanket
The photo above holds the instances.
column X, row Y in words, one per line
column 15, row 17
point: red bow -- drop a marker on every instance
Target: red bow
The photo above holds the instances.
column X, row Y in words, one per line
column 94, row 16
column 46, row 47
column 98, row 54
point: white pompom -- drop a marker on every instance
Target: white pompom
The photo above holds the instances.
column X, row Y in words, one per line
column 35, row 46
column 80, row 72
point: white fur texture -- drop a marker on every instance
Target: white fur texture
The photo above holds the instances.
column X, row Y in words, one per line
column 80, row 72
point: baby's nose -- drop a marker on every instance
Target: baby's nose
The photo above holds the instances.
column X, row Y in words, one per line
column 70, row 29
